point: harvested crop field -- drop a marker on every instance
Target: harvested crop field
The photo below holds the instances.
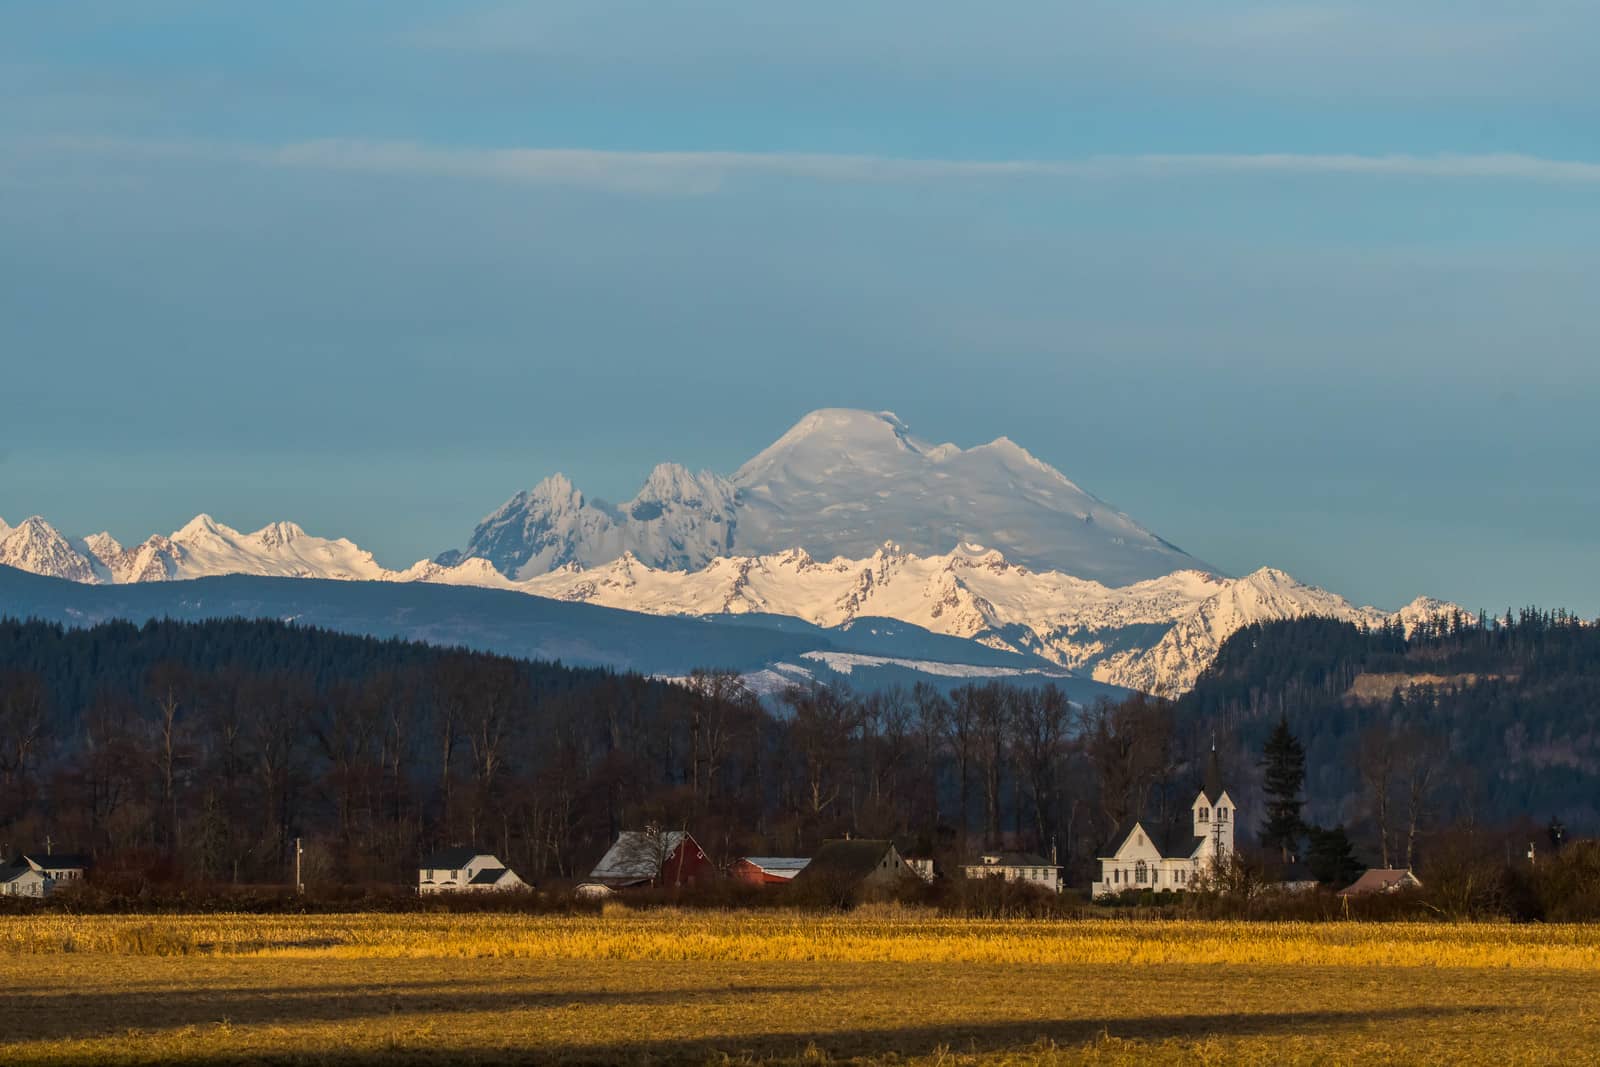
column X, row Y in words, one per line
column 699, row 988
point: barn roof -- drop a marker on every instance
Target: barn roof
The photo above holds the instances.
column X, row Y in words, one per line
column 776, row 864
column 850, row 859
column 636, row 858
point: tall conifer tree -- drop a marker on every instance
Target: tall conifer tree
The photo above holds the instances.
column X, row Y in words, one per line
column 1284, row 765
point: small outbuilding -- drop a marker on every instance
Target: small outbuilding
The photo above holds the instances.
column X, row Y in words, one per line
column 768, row 870
column 465, row 870
column 1381, row 880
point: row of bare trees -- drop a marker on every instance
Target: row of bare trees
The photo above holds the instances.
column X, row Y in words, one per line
column 211, row 771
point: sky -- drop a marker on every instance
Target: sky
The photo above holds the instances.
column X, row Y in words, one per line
column 1302, row 285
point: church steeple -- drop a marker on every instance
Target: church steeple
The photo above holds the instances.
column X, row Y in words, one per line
column 1213, row 782
column 1214, row 814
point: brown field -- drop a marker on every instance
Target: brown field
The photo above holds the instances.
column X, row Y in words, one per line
column 878, row 987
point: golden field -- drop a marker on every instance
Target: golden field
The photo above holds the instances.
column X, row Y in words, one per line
column 875, row 986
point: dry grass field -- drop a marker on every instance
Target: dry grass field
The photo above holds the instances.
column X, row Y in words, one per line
column 714, row 988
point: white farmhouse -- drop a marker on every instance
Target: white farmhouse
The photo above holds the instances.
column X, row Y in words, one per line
column 465, row 870
column 1017, row 867
column 1142, row 857
column 38, row 874
column 25, row 882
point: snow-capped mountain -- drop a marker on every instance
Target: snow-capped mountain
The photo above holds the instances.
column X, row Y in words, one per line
column 38, row 547
column 677, row 519
column 841, row 482
column 201, row 548
column 1156, row 635
column 811, row 528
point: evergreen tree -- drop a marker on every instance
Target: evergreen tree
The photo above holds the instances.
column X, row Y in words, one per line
column 1329, row 856
column 1284, row 765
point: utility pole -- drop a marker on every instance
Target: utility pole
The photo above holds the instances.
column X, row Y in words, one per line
column 299, row 886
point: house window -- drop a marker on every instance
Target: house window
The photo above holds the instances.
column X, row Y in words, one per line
column 1116, row 876
column 1205, row 815
column 1141, row 874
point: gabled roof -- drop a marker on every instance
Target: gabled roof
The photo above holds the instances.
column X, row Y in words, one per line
column 14, row 874
column 1178, row 843
column 1381, row 880
column 778, row 864
column 53, row 861
column 636, row 857
column 451, row 859
column 488, row 876
column 848, row 860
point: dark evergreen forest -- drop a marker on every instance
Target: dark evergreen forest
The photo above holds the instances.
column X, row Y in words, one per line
column 1471, row 722
column 200, row 751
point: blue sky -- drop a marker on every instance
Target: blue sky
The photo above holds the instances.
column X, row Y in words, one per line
column 1302, row 285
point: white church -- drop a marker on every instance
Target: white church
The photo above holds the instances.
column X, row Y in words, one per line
column 1141, row 859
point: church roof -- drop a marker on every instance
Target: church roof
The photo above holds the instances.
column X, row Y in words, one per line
column 1176, row 843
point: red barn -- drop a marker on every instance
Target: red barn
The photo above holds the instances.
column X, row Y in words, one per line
column 653, row 858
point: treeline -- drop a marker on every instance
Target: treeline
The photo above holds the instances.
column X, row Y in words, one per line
column 1469, row 722
column 201, row 751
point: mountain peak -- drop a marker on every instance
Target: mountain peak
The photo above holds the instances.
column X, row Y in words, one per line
column 838, row 483
column 38, row 547
column 279, row 534
column 201, row 525
column 556, row 489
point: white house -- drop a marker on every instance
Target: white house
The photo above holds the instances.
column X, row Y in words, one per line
column 25, row 882
column 465, row 870
column 1142, row 857
column 1017, row 867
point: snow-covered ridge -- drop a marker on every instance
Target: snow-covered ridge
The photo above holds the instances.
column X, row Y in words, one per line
column 1156, row 635
column 840, row 482
column 200, row 548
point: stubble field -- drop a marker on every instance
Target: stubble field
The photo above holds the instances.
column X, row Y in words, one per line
column 714, row 987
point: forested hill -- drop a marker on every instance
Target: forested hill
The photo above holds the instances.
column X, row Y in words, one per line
column 1479, row 720
column 81, row 666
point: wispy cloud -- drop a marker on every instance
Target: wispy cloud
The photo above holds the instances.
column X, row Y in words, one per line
column 699, row 173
